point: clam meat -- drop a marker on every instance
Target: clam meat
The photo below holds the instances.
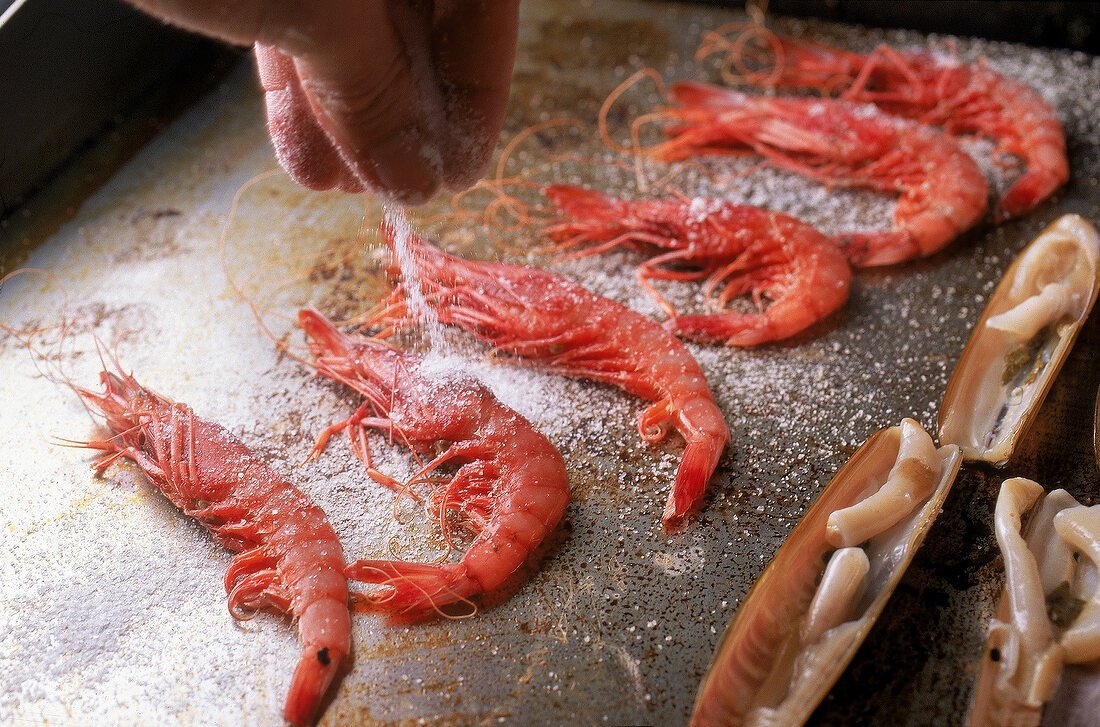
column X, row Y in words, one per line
column 1021, row 341
column 803, row 620
column 1047, row 625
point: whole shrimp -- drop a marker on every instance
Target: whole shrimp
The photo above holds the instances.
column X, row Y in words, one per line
column 533, row 313
column 962, row 98
column 511, row 483
column 740, row 248
column 942, row 191
column 288, row 557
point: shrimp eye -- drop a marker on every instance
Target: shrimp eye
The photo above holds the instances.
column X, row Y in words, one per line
column 322, row 656
column 995, row 654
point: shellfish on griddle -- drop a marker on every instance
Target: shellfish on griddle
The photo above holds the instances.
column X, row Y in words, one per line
column 1021, row 341
column 1044, row 641
column 1096, row 430
column 803, row 620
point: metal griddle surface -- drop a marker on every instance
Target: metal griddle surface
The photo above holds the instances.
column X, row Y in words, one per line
column 111, row 603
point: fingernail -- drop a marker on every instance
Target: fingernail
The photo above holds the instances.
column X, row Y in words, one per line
column 407, row 168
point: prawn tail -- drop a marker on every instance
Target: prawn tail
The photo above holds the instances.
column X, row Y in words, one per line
column 315, row 672
column 784, row 318
column 325, row 628
column 876, row 249
column 1027, row 192
column 698, row 463
column 412, row 587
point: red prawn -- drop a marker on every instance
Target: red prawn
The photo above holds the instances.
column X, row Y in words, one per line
column 288, row 557
column 942, row 191
column 533, row 313
column 738, row 248
column 511, row 484
column 962, row 98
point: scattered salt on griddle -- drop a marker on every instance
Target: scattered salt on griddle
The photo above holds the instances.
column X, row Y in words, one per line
column 107, row 594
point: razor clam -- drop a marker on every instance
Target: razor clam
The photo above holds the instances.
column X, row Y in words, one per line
column 1021, row 341
column 803, row 620
column 1044, row 641
column 1096, row 430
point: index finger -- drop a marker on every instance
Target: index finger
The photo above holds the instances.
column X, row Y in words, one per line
column 473, row 53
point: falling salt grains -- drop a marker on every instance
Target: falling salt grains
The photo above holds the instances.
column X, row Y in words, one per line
column 418, row 305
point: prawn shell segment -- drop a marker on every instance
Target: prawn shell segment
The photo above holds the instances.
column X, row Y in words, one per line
column 1042, row 654
column 1021, row 341
column 780, row 655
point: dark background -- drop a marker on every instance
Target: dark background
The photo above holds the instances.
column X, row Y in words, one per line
column 1073, row 25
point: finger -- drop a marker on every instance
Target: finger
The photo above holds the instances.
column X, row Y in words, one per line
column 474, row 53
column 236, row 22
column 302, row 147
column 374, row 89
column 354, row 71
column 374, row 99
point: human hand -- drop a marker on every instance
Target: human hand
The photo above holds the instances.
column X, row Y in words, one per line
column 397, row 96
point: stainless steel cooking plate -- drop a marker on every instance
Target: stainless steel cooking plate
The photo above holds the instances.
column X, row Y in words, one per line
column 71, row 71
column 112, row 608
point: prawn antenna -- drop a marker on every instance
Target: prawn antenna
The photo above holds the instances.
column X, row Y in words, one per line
column 267, row 276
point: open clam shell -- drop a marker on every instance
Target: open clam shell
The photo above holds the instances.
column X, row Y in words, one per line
column 1021, row 341
column 803, row 620
column 1043, row 648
